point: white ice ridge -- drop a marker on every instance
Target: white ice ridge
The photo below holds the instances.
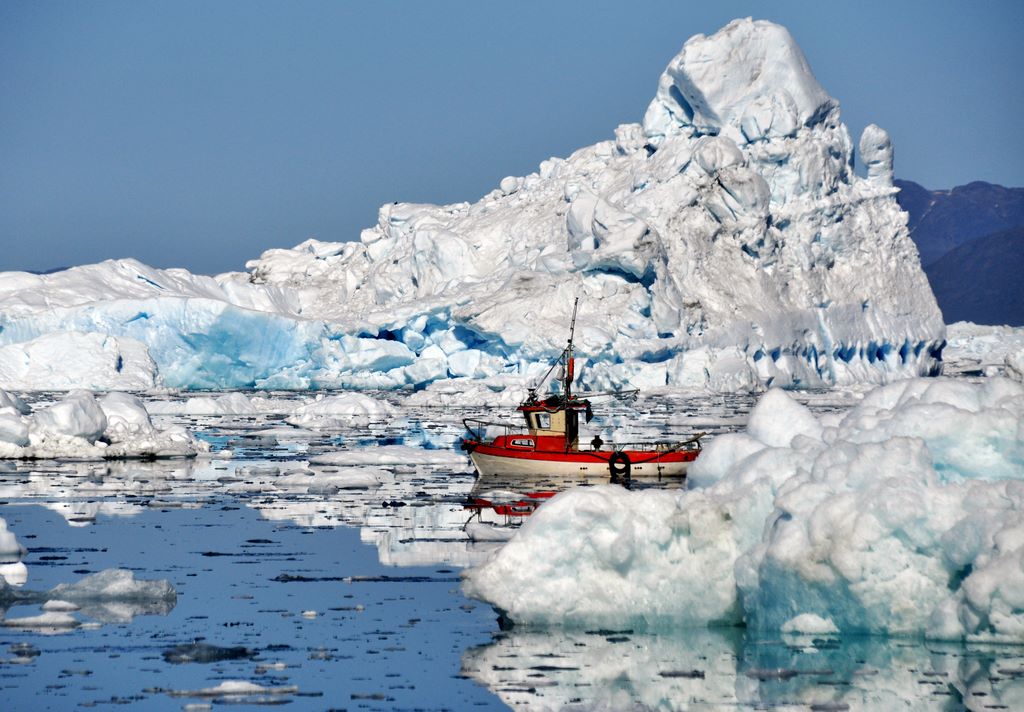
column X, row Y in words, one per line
column 905, row 516
column 81, row 427
column 724, row 243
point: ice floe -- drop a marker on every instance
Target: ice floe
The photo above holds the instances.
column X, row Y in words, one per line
column 902, row 516
column 79, row 426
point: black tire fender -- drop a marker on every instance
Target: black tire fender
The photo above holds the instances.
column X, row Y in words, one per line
column 619, row 466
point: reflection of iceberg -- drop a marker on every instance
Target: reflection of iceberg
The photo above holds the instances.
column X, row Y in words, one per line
column 700, row 668
column 109, row 596
column 607, row 670
column 411, row 520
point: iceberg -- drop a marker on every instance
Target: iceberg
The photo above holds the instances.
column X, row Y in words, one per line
column 79, row 426
column 723, row 243
column 903, row 516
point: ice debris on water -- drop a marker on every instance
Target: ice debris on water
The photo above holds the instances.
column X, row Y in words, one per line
column 725, row 242
column 230, row 690
column 80, row 426
column 903, row 516
column 199, row 652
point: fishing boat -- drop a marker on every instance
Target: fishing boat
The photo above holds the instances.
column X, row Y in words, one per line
column 549, row 442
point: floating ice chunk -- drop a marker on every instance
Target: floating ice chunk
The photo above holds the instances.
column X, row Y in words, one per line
column 114, row 585
column 355, row 478
column 233, row 689
column 55, row 604
column 77, row 415
column 334, row 480
column 78, row 426
column 126, row 416
column 345, row 410
column 809, row 624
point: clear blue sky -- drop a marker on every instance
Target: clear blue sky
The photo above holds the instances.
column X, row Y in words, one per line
column 198, row 134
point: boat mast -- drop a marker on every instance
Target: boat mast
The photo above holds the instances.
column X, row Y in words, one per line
column 570, row 365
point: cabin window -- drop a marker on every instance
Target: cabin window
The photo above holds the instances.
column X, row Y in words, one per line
column 522, row 442
column 543, row 421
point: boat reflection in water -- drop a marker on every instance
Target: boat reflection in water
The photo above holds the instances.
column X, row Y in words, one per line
column 498, row 504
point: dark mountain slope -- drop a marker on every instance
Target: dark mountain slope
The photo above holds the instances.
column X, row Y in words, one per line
column 982, row 280
column 941, row 220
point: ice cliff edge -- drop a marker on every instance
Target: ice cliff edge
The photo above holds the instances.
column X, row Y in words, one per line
column 726, row 242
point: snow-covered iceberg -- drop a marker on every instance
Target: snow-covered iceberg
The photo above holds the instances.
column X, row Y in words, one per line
column 81, row 427
column 903, row 516
column 725, row 242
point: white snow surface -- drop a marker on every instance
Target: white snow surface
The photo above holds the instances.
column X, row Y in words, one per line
column 724, row 243
column 905, row 516
column 81, row 427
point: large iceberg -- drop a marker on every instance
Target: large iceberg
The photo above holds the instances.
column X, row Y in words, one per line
column 903, row 516
column 725, row 242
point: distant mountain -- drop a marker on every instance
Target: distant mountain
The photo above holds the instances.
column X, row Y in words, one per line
column 941, row 220
column 981, row 280
column 971, row 240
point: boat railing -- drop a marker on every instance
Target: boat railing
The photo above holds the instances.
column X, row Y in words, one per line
column 648, row 446
column 478, row 427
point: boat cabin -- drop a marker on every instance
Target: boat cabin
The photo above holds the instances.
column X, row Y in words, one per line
column 554, row 424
